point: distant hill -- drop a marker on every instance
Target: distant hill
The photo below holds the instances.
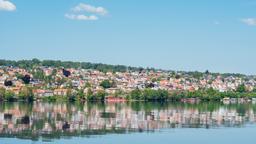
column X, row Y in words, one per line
column 69, row 64
column 29, row 64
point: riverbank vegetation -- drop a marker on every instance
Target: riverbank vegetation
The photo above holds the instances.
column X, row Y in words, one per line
column 26, row 94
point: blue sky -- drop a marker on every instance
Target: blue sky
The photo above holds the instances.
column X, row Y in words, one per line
column 218, row 35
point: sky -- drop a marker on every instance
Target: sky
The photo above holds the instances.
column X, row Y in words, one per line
column 190, row 35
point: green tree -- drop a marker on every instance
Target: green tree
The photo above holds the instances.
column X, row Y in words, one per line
column 9, row 95
column 100, row 95
column 136, row 94
column 106, row 84
column 118, row 93
column 26, row 94
column 38, row 74
column 2, row 93
column 69, row 95
column 89, row 94
column 54, row 72
column 241, row 88
column 81, row 95
column 87, row 85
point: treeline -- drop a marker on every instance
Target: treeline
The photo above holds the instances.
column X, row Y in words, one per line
column 209, row 95
column 29, row 64
column 148, row 95
column 202, row 94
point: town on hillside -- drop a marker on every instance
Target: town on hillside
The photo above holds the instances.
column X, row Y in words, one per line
column 41, row 80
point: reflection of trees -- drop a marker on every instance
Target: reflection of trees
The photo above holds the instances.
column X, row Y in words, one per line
column 55, row 120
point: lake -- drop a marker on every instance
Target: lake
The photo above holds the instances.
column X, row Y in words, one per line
column 126, row 123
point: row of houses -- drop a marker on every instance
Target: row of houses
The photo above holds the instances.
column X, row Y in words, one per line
column 47, row 93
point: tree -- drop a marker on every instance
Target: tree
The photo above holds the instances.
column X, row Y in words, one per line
column 207, row 72
column 69, row 92
column 60, row 80
column 87, row 85
column 106, row 84
column 8, row 83
column 118, row 93
column 81, row 94
column 89, row 94
column 54, row 72
column 66, row 73
column 9, row 95
column 241, row 88
column 177, row 76
column 163, row 94
column 36, row 62
column 2, row 93
column 136, row 94
column 38, row 74
column 100, row 95
column 26, row 79
column 26, row 94
column 150, row 85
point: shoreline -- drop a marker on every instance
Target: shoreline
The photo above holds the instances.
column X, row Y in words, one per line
column 181, row 100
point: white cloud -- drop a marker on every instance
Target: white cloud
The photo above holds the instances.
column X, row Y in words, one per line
column 7, row 5
column 249, row 21
column 81, row 17
column 90, row 9
column 86, row 12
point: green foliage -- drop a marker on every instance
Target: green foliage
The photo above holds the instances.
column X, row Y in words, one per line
column 149, row 95
column 118, row 93
column 87, row 85
column 80, row 95
column 2, row 94
column 29, row 64
column 9, row 95
column 50, row 99
column 99, row 96
column 203, row 94
column 38, row 74
column 136, row 94
column 106, row 84
column 70, row 96
column 241, row 88
column 26, row 94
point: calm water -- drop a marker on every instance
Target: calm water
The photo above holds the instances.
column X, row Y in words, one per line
column 126, row 123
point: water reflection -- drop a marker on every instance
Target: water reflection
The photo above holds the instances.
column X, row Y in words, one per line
column 56, row 120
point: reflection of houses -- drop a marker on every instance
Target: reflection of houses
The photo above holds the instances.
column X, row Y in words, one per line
column 59, row 118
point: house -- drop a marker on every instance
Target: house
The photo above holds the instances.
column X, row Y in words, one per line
column 164, row 82
column 43, row 93
column 114, row 99
column 60, row 92
column 111, row 90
